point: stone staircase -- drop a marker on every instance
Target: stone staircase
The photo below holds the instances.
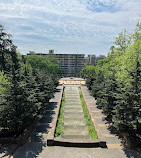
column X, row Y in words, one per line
column 74, row 122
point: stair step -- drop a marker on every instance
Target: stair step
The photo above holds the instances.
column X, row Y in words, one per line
column 72, row 104
column 72, row 101
column 75, row 129
column 78, row 137
column 73, row 115
column 76, row 113
column 74, row 118
column 72, row 107
column 75, row 122
column 72, row 97
column 73, row 110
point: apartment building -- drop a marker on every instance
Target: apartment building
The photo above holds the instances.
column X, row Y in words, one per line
column 93, row 59
column 71, row 64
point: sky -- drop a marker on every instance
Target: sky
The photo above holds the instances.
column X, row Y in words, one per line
column 68, row 26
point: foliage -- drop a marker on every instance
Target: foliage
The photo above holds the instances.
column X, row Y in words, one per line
column 3, row 82
column 3, row 88
column 116, row 83
column 60, row 123
column 47, row 63
column 27, row 85
column 88, row 73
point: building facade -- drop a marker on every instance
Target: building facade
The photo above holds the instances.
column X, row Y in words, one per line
column 72, row 64
column 93, row 59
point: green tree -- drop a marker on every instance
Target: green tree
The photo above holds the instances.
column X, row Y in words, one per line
column 31, row 84
column 117, row 83
column 88, row 72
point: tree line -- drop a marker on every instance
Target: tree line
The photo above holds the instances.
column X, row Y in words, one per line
column 116, row 83
column 27, row 83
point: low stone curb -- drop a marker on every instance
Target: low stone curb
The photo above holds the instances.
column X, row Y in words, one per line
column 76, row 143
column 51, row 133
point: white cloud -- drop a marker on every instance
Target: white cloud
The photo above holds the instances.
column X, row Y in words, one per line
column 74, row 26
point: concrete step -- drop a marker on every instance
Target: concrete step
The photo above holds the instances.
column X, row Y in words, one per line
column 73, row 115
column 77, row 137
column 73, row 107
column 75, row 99
column 74, row 118
column 72, row 103
column 76, row 113
column 71, row 95
column 72, row 99
column 73, row 110
column 75, row 129
column 75, row 122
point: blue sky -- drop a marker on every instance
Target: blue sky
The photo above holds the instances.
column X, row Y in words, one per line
column 68, row 26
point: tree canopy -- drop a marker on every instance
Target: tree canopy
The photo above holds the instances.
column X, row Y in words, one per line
column 116, row 82
column 27, row 83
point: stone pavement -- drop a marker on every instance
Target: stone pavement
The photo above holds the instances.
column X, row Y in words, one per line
column 74, row 122
column 72, row 81
column 7, row 150
column 37, row 147
column 112, row 140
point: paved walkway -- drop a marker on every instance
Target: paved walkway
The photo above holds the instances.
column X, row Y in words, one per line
column 112, row 140
column 74, row 122
column 37, row 147
column 72, row 81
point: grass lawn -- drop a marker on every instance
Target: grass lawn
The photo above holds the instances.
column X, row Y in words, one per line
column 60, row 122
column 89, row 122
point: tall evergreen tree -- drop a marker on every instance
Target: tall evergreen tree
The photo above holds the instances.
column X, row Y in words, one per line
column 127, row 110
column 5, row 49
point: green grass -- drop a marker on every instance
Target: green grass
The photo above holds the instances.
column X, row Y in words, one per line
column 89, row 122
column 60, row 121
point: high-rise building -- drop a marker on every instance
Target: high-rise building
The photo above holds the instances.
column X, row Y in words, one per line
column 71, row 64
column 93, row 59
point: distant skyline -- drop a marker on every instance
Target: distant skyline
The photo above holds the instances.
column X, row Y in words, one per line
column 68, row 26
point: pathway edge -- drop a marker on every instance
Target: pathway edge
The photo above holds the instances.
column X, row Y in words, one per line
column 50, row 138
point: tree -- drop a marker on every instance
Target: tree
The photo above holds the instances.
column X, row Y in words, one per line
column 5, row 48
column 31, row 84
column 127, row 110
column 88, row 72
column 117, row 83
